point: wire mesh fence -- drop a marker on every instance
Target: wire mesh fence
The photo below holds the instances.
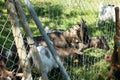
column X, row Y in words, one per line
column 61, row 15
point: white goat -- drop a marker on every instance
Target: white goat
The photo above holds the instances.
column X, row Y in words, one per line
column 46, row 58
column 48, row 62
column 106, row 12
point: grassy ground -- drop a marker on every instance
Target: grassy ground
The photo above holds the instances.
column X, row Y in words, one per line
column 62, row 14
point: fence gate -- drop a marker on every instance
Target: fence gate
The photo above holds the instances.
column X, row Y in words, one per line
column 61, row 15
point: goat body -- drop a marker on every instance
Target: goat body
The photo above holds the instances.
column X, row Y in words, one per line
column 99, row 42
column 56, row 37
column 77, row 33
column 47, row 59
column 64, row 52
column 106, row 12
column 4, row 73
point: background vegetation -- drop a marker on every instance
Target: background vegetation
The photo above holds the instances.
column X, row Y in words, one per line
column 62, row 14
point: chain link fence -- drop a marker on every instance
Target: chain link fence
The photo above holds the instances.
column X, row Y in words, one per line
column 61, row 15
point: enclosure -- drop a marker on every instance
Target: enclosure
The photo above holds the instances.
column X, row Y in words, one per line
column 61, row 15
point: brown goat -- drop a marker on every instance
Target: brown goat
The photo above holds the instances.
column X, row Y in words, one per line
column 4, row 73
column 59, row 44
column 71, row 34
column 77, row 33
column 98, row 42
column 56, row 37
column 64, row 52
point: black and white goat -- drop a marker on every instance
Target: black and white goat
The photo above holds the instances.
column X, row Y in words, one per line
column 48, row 62
column 47, row 59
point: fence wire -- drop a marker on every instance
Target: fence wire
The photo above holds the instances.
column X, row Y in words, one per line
column 63, row 14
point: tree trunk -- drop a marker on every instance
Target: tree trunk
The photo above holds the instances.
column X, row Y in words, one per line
column 24, row 62
column 31, row 43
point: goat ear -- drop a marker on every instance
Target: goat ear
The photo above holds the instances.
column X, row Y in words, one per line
column 83, row 21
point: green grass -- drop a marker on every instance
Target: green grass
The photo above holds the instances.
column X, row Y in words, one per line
column 62, row 14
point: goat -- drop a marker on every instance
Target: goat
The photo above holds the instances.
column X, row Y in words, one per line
column 47, row 59
column 65, row 52
column 57, row 39
column 8, row 75
column 77, row 33
column 44, row 53
column 71, row 35
column 62, row 49
column 98, row 42
column 106, row 12
column 76, row 36
column 82, row 46
column 4, row 73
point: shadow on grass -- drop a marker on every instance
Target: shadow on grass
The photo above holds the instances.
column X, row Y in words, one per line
column 48, row 9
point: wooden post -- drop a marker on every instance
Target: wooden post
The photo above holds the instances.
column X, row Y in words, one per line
column 116, row 53
column 47, row 40
column 24, row 62
column 117, row 32
column 30, row 40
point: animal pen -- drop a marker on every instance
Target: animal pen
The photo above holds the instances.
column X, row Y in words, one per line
column 56, row 39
